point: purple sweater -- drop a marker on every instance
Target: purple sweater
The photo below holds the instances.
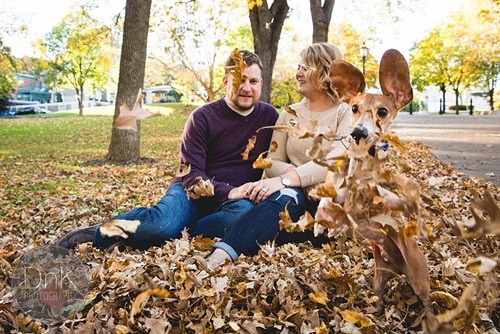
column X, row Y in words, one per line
column 214, row 138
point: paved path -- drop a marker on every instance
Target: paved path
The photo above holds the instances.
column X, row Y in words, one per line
column 470, row 143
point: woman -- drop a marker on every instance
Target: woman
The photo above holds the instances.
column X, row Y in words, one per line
column 292, row 172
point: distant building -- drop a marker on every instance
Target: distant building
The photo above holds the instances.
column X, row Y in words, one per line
column 31, row 89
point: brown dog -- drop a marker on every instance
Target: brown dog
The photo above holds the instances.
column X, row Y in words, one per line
column 379, row 205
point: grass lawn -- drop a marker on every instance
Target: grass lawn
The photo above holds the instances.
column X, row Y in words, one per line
column 65, row 133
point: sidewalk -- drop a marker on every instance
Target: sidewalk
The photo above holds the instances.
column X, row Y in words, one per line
column 470, row 143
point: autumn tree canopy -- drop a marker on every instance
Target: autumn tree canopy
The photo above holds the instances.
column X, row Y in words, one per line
column 79, row 53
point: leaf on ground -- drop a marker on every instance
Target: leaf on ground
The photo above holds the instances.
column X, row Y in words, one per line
column 356, row 318
column 320, row 297
column 143, row 297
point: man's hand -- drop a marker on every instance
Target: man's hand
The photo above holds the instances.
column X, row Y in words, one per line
column 239, row 192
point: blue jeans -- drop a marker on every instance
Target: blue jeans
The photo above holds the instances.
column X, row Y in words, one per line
column 173, row 213
column 261, row 224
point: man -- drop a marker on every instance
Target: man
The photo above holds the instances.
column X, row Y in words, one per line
column 214, row 137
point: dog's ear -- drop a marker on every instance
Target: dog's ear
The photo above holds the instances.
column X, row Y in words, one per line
column 347, row 80
column 394, row 75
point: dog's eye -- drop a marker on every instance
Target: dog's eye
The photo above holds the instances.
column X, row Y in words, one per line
column 355, row 108
column 382, row 112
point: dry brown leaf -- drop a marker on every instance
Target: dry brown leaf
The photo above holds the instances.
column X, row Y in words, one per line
column 201, row 243
column 321, row 329
column 482, row 265
column 183, row 170
column 326, row 190
column 262, row 163
column 273, row 147
column 333, row 215
column 356, row 318
column 250, row 146
column 489, row 207
column 237, row 69
column 143, row 297
column 445, row 299
column 465, row 302
column 127, row 119
column 320, row 297
column 202, row 188
column 118, row 227
column 290, row 110
column 391, row 200
column 394, row 140
column 305, row 222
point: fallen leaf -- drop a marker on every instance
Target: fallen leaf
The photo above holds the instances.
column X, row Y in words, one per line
column 319, row 297
column 143, row 297
column 356, row 318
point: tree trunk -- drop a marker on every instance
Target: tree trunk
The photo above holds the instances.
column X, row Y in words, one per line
column 443, row 90
column 266, row 28
column 125, row 144
column 491, row 94
column 456, row 101
column 79, row 98
column 321, row 17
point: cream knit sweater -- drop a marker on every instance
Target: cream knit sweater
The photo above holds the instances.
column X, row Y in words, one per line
column 291, row 152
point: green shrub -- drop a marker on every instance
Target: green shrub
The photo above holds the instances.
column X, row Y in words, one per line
column 460, row 107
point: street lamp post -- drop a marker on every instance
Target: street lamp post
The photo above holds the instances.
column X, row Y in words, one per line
column 363, row 51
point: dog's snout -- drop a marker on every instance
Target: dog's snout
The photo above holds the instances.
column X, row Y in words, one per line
column 359, row 133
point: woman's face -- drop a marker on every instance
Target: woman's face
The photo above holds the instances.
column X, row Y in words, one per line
column 307, row 79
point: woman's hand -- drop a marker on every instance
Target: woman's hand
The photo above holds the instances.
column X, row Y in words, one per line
column 260, row 190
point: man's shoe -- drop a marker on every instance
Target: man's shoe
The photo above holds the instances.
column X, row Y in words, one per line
column 77, row 236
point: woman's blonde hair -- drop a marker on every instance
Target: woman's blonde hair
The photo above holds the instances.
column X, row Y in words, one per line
column 319, row 56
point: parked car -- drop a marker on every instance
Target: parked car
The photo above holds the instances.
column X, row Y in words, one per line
column 7, row 113
column 30, row 111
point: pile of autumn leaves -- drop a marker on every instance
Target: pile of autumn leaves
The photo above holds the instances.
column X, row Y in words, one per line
column 287, row 289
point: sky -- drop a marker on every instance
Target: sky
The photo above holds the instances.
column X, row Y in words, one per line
column 41, row 16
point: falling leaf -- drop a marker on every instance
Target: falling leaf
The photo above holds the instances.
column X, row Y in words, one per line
column 118, row 227
column 326, row 190
column 127, row 119
column 250, row 146
column 290, row 110
column 482, row 265
column 202, row 188
column 465, row 302
column 305, row 222
column 262, row 163
column 183, row 171
column 394, row 140
column 445, row 299
column 237, row 69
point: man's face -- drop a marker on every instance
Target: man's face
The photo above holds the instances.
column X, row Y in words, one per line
column 249, row 91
